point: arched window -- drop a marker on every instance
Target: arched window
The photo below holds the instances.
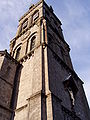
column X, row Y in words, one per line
column 32, row 42
column 25, row 23
column 35, row 15
column 18, row 53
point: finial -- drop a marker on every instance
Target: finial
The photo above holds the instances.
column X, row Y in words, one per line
column 51, row 9
column 5, row 50
column 31, row 6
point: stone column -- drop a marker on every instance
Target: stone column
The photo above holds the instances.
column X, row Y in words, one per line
column 29, row 21
column 19, row 29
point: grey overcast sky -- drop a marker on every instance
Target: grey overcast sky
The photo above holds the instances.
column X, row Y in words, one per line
column 75, row 18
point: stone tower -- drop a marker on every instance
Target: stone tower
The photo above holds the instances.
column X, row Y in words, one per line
column 37, row 80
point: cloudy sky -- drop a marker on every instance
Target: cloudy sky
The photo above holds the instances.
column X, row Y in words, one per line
column 75, row 17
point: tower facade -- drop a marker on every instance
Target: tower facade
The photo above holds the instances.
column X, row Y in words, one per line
column 44, row 85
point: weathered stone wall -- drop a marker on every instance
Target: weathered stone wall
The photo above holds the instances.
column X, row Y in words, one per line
column 8, row 70
column 35, row 107
column 7, row 74
column 57, row 75
column 5, row 93
column 81, row 105
column 57, row 108
column 30, row 111
column 30, row 82
column 4, row 114
column 59, row 46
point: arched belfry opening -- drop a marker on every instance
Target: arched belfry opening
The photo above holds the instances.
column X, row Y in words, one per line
column 18, row 53
column 33, row 40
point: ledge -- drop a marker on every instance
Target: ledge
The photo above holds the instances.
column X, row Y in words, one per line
column 8, row 109
column 6, row 54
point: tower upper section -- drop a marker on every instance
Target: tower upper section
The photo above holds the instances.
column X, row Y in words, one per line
column 28, row 32
column 37, row 26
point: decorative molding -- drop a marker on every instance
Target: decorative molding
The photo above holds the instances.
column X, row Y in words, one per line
column 8, row 109
column 6, row 81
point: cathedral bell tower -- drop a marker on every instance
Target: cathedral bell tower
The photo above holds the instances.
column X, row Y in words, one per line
column 46, row 86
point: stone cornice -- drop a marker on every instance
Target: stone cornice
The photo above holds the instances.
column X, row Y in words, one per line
column 7, row 55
